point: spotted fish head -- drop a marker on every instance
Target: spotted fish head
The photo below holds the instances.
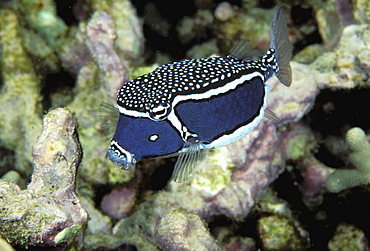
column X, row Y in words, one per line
column 138, row 138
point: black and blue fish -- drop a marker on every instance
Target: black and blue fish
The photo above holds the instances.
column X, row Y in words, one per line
column 186, row 107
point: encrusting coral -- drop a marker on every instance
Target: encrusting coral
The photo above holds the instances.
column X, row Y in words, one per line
column 348, row 237
column 179, row 230
column 48, row 212
column 360, row 158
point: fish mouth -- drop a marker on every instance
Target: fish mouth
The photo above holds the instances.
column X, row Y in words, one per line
column 121, row 157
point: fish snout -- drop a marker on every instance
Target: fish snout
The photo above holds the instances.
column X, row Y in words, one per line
column 121, row 157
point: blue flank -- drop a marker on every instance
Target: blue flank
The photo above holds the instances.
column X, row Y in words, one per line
column 186, row 107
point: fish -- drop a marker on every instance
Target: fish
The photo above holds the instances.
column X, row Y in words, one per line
column 186, row 107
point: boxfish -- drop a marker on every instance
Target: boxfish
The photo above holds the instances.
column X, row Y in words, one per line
column 186, row 107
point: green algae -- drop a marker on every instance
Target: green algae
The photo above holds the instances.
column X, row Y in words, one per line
column 68, row 234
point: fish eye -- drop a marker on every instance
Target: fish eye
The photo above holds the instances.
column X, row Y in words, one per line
column 153, row 137
column 160, row 112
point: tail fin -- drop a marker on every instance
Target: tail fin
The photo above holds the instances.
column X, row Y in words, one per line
column 282, row 46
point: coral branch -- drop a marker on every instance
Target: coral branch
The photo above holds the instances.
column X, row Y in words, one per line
column 101, row 34
column 360, row 158
column 48, row 212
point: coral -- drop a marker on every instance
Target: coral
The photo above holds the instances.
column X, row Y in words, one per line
column 297, row 145
column 362, row 11
column 43, row 18
column 253, row 26
column 278, row 233
column 240, row 244
column 19, row 95
column 14, row 177
column 348, row 237
column 249, row 165
column 130, row 38
column 48, row 212
column 100, row 35
column 360, row 158
column 179, row 230
column 297, row 142
column 203, row 50
column 314, row 174
column 118, row 203
column 224, row 11
column 104, row 50
column 98, row 170
column 4, row 246
column 279, row 230
column 328, row 18
column 190, row 27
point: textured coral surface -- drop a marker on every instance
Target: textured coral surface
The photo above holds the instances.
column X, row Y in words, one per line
column 49, row 211
column 270, row 190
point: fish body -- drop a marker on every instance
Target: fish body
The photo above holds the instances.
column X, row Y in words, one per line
column 186, row 107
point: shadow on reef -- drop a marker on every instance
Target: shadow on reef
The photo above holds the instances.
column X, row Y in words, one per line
column 336, row 111
column 333, row 114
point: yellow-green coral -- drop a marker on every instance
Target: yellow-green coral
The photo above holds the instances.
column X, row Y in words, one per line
column 215, row 174
column 19, row 95
column 360, row 158
column 348, row 237
column 42, row 16
column 279, row 233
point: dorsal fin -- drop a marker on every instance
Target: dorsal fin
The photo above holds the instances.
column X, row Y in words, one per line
column 187, row 160
column 243, row 50
column 109, row 117
column 282, row 46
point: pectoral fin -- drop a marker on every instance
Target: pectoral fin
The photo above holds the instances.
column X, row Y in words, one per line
column 184, row 166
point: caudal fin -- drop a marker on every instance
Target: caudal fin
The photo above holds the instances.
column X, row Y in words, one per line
column 282, row 46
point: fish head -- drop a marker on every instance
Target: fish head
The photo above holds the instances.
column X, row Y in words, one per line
column 138, row 138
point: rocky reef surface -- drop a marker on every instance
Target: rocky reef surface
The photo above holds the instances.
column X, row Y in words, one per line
column 298, row 183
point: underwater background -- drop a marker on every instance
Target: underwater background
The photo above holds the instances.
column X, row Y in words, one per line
column 299, row 183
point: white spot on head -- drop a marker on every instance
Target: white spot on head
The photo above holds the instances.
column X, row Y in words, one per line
column 153, row 137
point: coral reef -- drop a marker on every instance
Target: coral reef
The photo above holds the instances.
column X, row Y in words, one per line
column 179, row 230
column 48, row 212
column 348, row 237
column 16, row 69
column 360, row 158
column 5, row 246
column 279, row 234
column 278, row 228
column 240, row 244
column 100, row 35
column 232, row 187
column 118, row 203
